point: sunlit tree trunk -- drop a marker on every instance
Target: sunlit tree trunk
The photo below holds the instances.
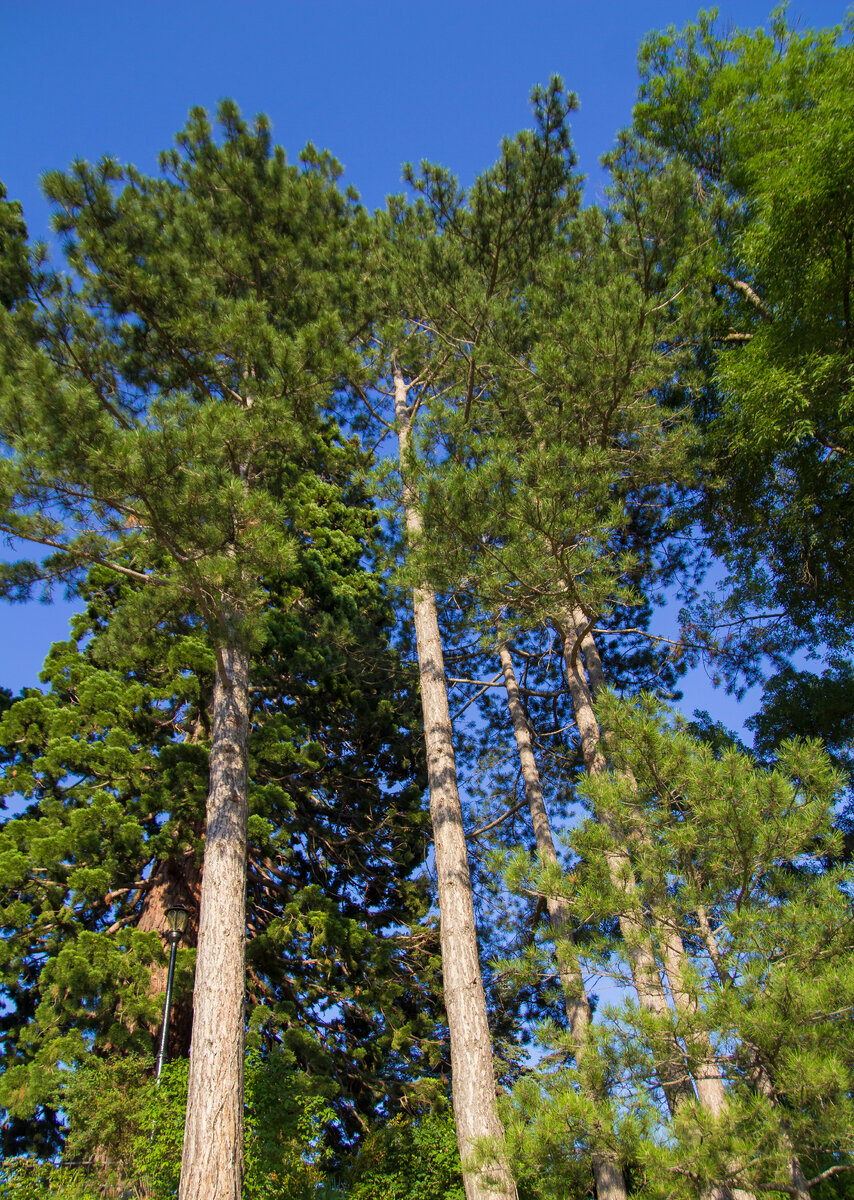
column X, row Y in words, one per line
column 797, row 1178
column 610, row 1184
column 472, row 1071
column 212, row 1162
column 670, row 1061
column 702, row 1065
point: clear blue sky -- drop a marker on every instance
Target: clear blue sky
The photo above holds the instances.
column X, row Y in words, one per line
column 377, row 82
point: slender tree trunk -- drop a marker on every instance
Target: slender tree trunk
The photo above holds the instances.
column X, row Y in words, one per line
column 670, row 1061
column 212, row 1162
column 610, row 1184
column 764, row 1083
column 702, row 1064
column 710, row 1090
column 472, row 1071
column 574, row 995
column 707, row 1077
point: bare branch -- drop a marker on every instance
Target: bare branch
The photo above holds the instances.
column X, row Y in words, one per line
column 511, row 812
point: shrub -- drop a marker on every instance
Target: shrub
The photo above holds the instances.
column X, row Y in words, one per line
column 410, row 1160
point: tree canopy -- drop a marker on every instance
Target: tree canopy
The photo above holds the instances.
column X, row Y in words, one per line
column 366, row 508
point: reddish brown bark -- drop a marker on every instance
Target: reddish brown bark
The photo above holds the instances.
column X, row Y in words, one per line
column 176, row 880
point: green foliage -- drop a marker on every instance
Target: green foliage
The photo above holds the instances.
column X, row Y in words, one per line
column 764, row 119
column 177, row 382
column 409, row 1159
column 14, row 265
column 164, row 382
column 731, row 860
column 112, row 763
column 165, row 414
column 805, row 704
column 126, row 1133
column 130, row 1129
column 538, row 434
column 31, row 1179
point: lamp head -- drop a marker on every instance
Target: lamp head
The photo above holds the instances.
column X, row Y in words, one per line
column 177, row 919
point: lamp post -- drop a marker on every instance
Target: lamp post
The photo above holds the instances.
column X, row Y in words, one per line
column 176, row 924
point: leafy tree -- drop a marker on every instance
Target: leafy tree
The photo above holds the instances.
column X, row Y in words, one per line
column 127, row 1131
column 14, row 264
column 805, row 704
column 764, row 120
column 409, row 1157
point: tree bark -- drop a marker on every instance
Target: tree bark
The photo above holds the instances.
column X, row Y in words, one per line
column 702, row 1065
column 710, row 1088
column 764, row 1083
column 707, row 1077
column 670, row 1062
column 174, row 880
column 212, row 1161
column 472, row 1071
column 607, row 1174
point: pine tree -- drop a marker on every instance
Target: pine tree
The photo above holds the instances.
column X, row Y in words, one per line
column 607, row 1173
column 451, row 262
column 535, row 500
column 165, row 425
column 737, row 859
column 113, row 762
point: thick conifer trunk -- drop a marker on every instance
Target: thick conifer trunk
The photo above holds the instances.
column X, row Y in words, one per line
column 472, row 1072
column 610, row 1184
column 212, row 1162
column 174, row 880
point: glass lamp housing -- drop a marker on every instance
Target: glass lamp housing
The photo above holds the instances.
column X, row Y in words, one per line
column 177, row 919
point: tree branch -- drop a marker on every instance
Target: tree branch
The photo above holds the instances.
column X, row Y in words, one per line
column 511, row 812
column 740, row 285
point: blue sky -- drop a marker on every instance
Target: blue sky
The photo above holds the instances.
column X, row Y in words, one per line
column 377, row 82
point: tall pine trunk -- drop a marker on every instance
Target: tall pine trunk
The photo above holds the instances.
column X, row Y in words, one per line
column 212, row 1161
column 764, row 1083
column 607, row 1174
column 702, row 1065
column 670, row 1062
column 472, row 1071
column 707, row 1077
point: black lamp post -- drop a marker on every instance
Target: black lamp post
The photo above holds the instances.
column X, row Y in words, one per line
column 176, row 924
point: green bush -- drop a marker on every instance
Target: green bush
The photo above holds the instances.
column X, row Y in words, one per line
column 120, row 1118
column 409, row 1160
column 28, row 1179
